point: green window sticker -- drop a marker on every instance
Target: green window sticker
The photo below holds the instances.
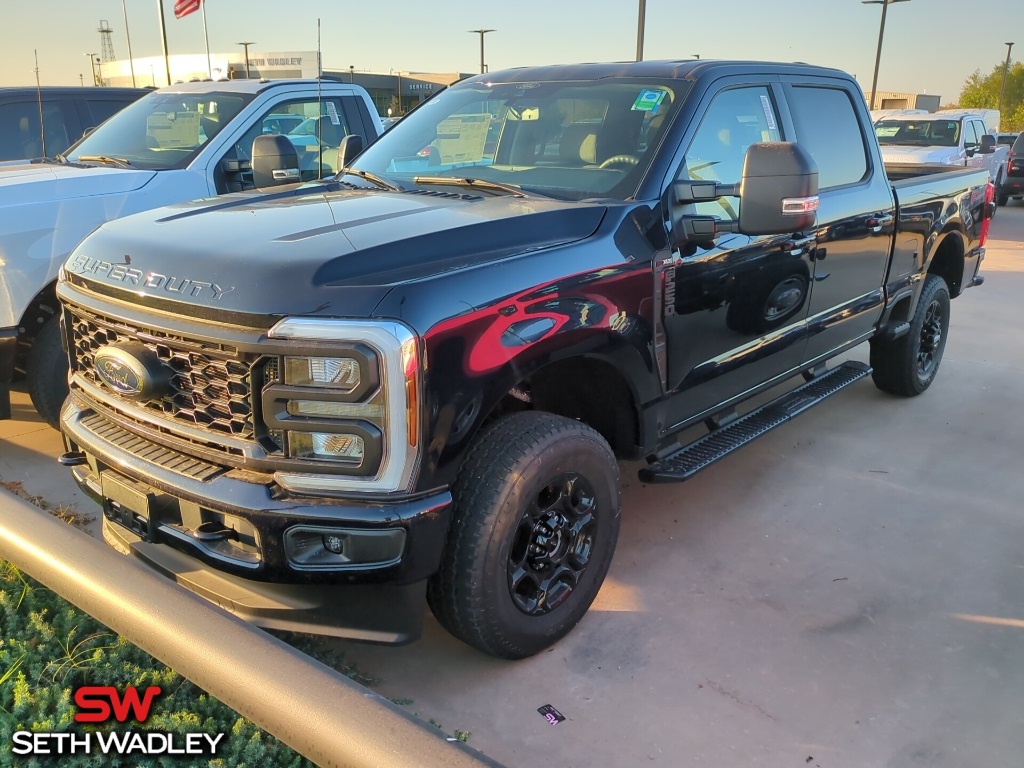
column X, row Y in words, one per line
column 649, row 100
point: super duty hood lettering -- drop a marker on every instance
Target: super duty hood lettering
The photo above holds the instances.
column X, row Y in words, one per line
column 123, row 272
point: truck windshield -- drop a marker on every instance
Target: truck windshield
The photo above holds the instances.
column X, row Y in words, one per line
column 919, row 133
column 564, row 139
column 160, row 131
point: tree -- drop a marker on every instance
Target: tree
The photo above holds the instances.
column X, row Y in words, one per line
column 982, row 92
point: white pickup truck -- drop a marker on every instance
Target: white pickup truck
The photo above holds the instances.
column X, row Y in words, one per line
column 184, row 142
column 953, row 138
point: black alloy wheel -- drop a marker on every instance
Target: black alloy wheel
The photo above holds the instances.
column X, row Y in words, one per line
column 535, row 521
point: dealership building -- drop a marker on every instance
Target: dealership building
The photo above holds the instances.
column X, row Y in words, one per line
column 395, row 91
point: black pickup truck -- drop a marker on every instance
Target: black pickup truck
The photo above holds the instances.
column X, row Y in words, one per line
column 320, row 404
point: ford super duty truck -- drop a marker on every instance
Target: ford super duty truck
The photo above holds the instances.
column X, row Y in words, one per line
column 323, row 406
column 187, row 141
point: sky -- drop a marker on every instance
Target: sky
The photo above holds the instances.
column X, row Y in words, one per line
column 930, row 46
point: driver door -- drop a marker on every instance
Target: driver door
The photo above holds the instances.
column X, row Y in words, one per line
column 733, row 313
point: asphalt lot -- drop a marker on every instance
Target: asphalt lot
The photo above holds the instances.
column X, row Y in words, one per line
column 846, row 591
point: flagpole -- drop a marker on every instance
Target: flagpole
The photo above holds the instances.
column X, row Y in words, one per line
column 163, row 39
column 209, row 63
column 131, row 61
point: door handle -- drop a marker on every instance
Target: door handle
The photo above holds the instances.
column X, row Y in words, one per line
column 797, row 246
column 875, row 223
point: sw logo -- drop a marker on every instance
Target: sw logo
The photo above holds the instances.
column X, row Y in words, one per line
column 106, row 704
column 97, row 702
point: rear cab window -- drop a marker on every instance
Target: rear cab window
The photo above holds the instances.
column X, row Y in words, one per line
column 828, row 127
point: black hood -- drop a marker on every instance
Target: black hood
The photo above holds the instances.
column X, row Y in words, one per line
column 310, row 252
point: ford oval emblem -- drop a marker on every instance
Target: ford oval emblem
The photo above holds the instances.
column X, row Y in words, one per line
column 118, row 376
column 132, row 370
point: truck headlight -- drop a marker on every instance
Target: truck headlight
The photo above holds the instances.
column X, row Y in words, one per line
column 340, row 373
column 347, row 402
column 350, row 449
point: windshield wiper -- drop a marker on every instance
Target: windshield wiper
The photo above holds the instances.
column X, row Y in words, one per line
column 370, row 177
column 117, row 162
column 459, row 181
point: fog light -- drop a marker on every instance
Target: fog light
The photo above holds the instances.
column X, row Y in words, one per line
column 334, row 544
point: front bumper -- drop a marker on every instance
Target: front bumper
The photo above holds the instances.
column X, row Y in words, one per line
column 237, row 539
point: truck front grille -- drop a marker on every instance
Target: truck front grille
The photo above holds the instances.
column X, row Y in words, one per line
column 211, row 387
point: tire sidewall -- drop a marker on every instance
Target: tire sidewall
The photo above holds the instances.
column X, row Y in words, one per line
column 935, row 290
column 578, row 454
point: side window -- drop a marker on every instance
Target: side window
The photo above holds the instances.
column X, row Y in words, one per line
column 20, row 137
column 971, row 137
column 316, row 128
column 828, row 127
column 735, row 119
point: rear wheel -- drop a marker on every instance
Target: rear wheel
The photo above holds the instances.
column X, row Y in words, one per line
column 47, row 372
column 1002, row 198
column 535, row 525
column 908, row 365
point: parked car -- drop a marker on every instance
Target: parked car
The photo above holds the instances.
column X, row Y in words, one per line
column 954, row 138
column 67, row 113
column 178, row 143
column 326, row 406
column 1013, row 184
column 1006, row 138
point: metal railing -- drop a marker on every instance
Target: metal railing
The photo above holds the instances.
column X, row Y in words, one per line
column 315, row 710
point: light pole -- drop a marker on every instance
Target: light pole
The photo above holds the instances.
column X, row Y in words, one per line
column 1006, row 66
column 92, row 65
column 482, row 32
column 352, row 73
column 246, row 46
column 881, row 32
column 641, row 22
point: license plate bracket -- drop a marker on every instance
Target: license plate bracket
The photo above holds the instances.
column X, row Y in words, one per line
column 127, row 503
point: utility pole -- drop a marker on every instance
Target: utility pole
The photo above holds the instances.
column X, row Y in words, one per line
column 881, row 32
column 246, row 46
column 482, row 32
column 92, row 65
column 1002, row 88
column 163, row 41
column 641, row 23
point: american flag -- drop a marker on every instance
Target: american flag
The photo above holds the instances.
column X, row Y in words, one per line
column 183, row 8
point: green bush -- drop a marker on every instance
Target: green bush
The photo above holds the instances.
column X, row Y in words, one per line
column 48, row 648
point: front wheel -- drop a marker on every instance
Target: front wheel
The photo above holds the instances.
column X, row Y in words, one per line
column 908, row 365
column 534, row 529
column 47, row 372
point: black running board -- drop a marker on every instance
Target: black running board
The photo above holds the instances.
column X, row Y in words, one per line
column 690, row 459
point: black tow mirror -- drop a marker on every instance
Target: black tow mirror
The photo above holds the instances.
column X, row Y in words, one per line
column 779, row 189
column 275, row 161
column 349, row 149
column 988, row 144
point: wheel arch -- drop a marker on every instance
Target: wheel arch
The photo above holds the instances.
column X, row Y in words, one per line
column 43, row 306
column 947, row 260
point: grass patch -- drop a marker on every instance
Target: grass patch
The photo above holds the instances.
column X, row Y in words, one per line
column 49, row 647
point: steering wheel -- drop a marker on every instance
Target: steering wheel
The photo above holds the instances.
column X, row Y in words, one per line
column 620, row 160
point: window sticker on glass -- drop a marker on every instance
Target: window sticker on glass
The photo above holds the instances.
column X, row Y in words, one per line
column 649, row 100
column 768, row 114
column 460, row 138
column 174, row 129
column 332, row 110
column 886, row 131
